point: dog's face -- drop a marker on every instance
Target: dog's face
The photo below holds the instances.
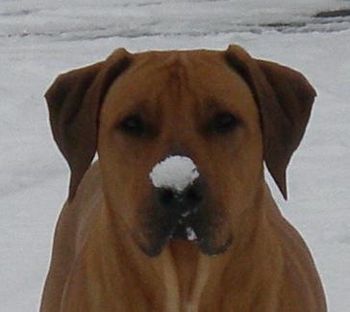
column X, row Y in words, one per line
column 188, row 104
column 222, row 112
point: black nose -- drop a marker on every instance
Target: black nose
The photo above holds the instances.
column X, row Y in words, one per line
column 184, row 202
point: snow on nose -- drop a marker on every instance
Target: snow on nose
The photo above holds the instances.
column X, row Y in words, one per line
column 175, row 172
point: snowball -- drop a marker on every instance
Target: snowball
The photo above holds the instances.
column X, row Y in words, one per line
column 175, row 172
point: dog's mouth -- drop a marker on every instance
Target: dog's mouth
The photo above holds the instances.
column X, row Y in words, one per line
column 183, row 230
column 194, row 228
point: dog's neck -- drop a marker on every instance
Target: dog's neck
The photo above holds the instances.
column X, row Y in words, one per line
column 186, row 273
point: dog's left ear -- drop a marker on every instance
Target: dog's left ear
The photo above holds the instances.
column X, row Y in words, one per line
column 284, row 98
column 74, row 101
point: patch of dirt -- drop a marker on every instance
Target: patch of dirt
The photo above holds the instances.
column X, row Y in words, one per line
column 335, row 13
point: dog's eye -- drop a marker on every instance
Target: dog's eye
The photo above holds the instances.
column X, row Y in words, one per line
column 133, row 125
column 223, row 123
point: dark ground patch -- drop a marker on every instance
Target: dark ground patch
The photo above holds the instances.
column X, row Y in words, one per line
column 335, row 13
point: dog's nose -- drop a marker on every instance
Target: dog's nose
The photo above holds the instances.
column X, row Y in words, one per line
column 183, row 203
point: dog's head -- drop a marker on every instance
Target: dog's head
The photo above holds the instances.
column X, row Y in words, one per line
column 181, row 138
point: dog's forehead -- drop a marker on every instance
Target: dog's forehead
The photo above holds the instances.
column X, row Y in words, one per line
column 199, row 74
column 187, row 62
column 179, row 55
column 167, row 63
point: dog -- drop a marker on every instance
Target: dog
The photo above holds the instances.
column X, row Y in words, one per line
column 175, row 214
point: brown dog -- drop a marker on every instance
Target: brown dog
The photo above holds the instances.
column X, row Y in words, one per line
column 122, row 242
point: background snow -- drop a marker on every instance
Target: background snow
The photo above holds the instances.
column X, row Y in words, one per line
column 41, row 38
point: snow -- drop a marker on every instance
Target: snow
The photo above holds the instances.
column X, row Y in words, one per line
column 191, row 234
column 41, row 38
column 174, row 172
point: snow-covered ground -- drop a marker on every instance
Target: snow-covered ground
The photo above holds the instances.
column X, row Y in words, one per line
column 41, row 38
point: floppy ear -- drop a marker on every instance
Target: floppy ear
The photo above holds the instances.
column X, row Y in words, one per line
column 284, row 98
column 74, row 101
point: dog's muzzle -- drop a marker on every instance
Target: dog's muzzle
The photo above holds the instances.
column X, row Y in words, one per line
column 179, row 193
column 183, row 209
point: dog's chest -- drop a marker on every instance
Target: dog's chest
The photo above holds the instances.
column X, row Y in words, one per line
column 185, row 306
column 188, row 300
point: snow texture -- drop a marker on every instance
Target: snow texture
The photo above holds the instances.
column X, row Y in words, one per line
column 175, row 172
column 41, row 38
column 191, row 234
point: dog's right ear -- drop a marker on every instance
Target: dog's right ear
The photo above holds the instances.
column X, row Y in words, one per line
column 74, row 101
column 284, row 98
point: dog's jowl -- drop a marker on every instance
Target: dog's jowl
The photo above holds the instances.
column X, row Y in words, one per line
column 175, row 214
